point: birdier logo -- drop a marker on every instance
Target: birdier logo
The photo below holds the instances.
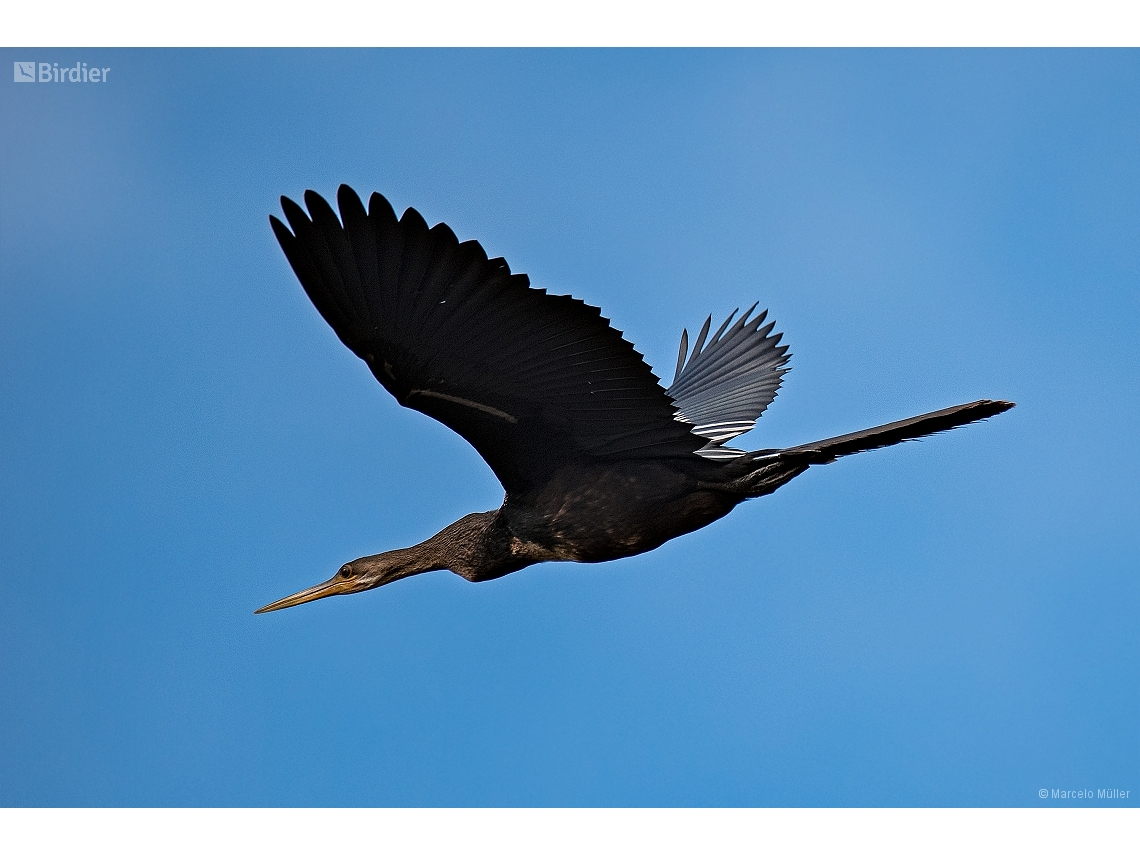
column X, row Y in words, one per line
column 50, row 72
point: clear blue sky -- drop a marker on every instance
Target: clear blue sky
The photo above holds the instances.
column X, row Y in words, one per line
column 183, row 439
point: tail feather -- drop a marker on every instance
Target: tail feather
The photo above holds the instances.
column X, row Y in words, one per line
column 775, row 468
column 827, row 450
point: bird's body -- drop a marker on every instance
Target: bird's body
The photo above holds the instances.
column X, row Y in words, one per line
column 598, row 461
column 604, row 511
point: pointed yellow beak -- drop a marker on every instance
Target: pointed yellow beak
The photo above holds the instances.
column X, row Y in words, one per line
column 336, row 585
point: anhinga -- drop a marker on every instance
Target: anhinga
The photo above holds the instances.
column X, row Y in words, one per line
column 598, row 461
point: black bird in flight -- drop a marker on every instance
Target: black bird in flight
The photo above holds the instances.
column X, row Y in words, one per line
column 598, row 461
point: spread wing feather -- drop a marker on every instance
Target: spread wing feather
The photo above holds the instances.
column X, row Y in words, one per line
column 722, row 389
column 530, row 379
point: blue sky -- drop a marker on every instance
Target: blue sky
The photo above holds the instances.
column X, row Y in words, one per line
column 182, row 438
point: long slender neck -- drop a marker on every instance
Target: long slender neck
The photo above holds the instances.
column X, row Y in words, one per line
column 458, row 546
column 476, row 547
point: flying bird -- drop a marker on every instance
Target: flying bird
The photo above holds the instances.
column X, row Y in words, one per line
column 597, row 459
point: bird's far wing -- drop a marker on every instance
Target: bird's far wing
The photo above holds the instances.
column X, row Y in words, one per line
column 723, row 389
column 531, row 380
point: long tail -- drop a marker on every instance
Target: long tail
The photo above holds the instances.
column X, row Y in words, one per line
column 773, row 469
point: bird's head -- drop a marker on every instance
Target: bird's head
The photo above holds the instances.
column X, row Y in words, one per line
column 363, row 574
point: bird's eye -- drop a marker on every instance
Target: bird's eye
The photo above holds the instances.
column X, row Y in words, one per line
column 345, row 572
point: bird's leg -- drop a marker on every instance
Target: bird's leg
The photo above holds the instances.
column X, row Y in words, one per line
column 768, row 476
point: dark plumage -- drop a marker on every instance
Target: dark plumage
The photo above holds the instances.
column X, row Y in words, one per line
column 597, row 459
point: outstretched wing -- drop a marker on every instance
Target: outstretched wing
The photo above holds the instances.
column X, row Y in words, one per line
column 724, row 388
column 531, row 380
